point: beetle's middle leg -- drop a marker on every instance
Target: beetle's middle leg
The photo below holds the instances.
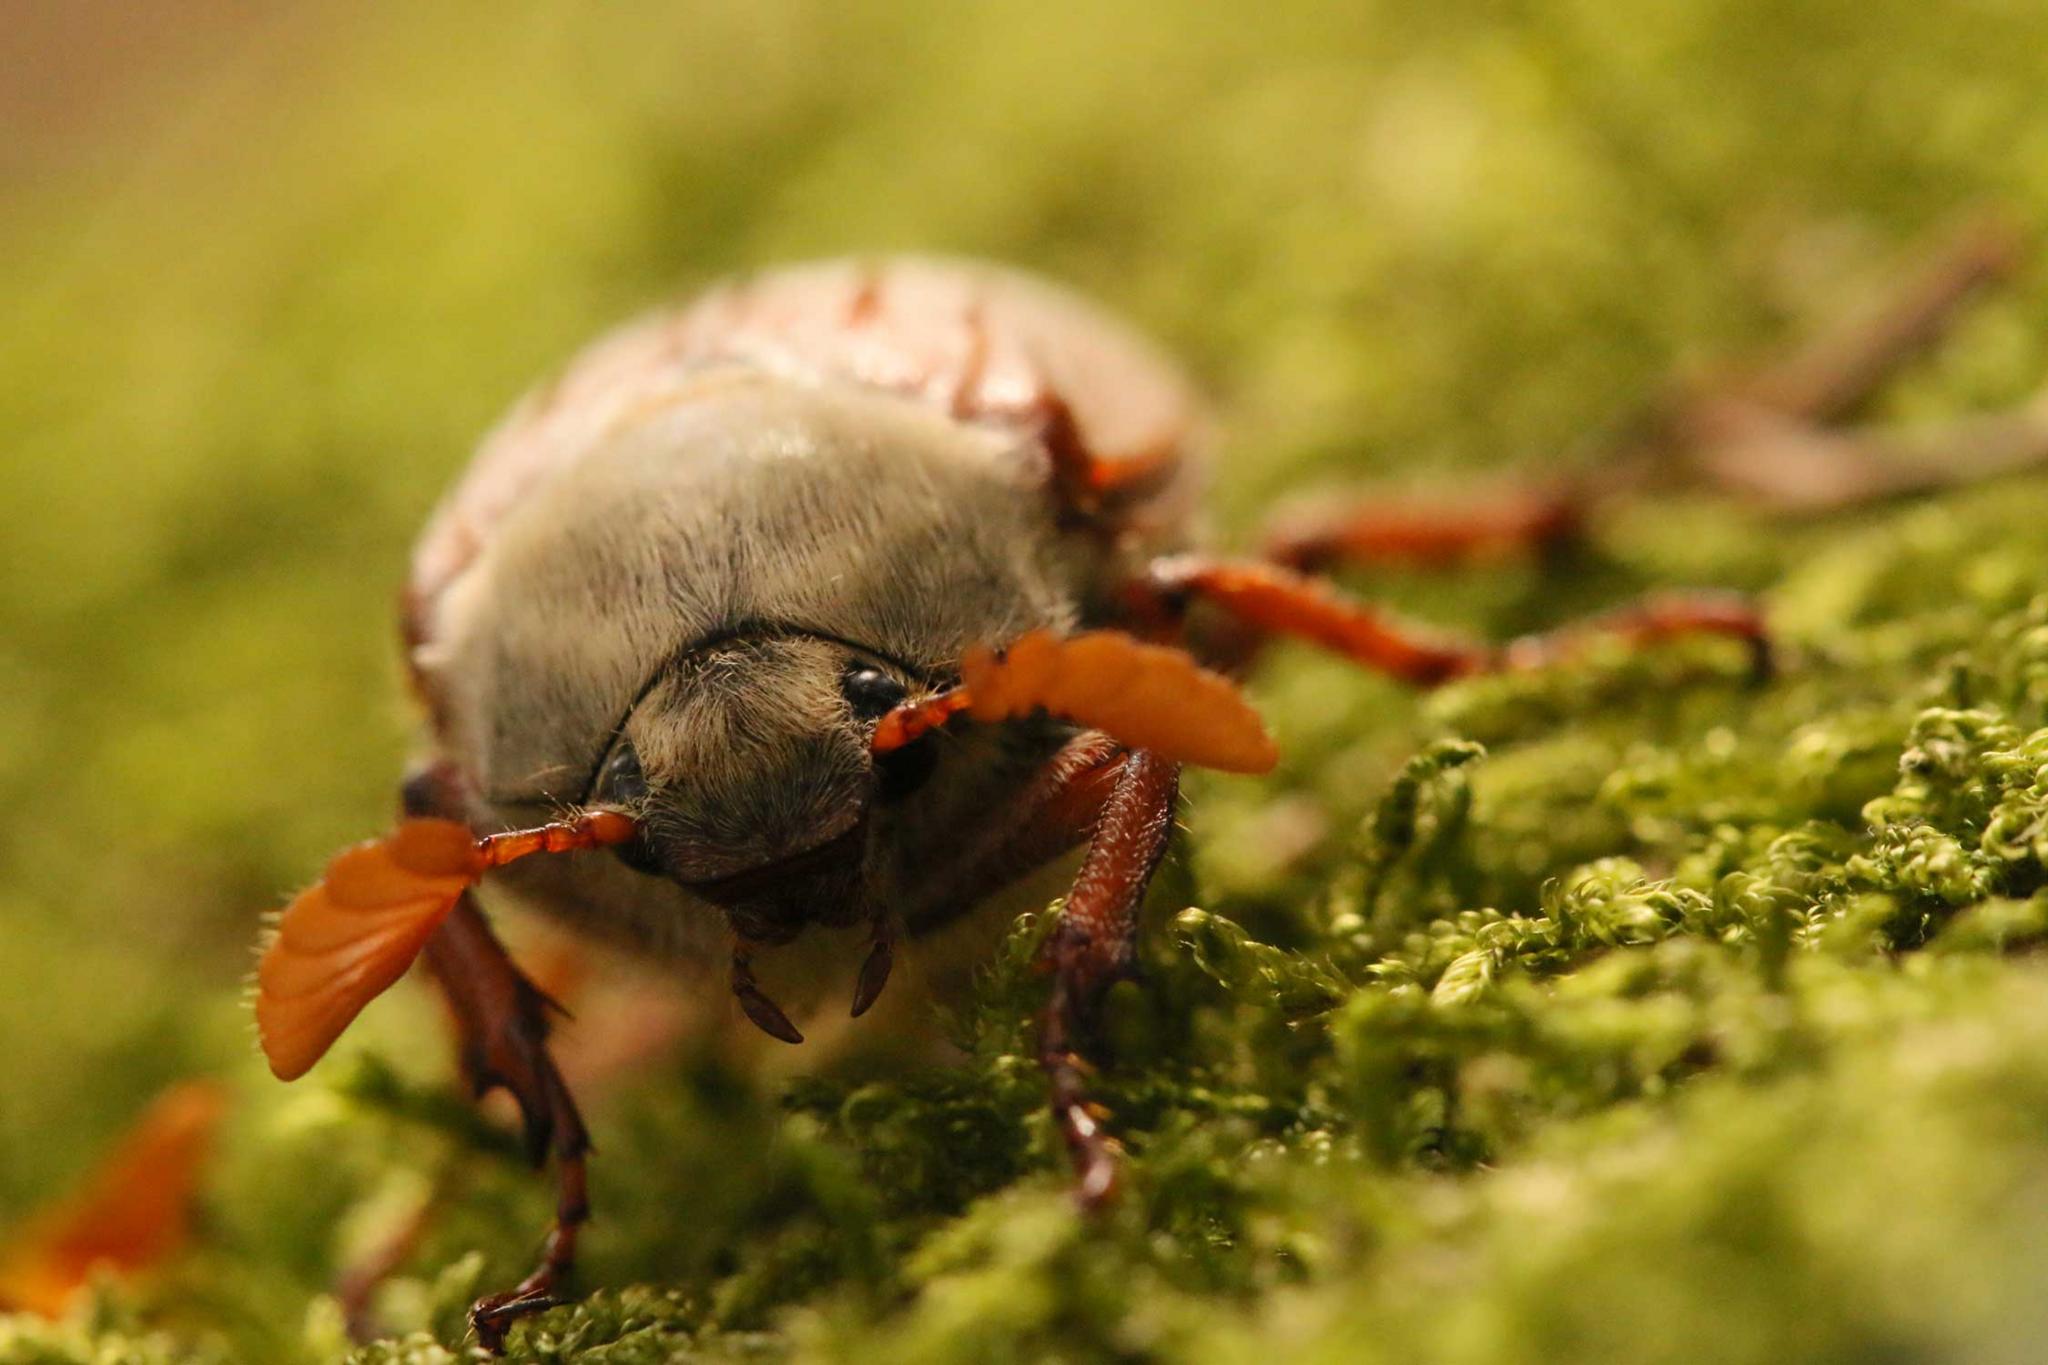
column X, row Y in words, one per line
column 1430, row 533
column 1774, row 435
column 1272, row 600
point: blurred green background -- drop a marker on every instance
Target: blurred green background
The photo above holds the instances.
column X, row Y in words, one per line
column 268, row 271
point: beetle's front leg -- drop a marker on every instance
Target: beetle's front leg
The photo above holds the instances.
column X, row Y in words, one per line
column 501, row 1022
column 502, row 1026
column 1093, row 945
column 1121, row 801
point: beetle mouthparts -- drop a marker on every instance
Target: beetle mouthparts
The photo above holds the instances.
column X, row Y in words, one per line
column 874, row 973
column 765, row 1013
column 839, row 854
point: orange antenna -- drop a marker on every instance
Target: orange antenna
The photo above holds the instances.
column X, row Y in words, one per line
column 345, row 939
column 1144, row 696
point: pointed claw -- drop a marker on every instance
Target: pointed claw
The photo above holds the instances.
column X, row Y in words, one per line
column 874, row 974
column 766, row 1014
column 491, row 1319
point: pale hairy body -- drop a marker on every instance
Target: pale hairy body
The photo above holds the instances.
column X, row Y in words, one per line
column 680, row 483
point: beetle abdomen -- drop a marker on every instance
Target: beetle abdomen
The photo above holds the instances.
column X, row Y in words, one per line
column 980, row 343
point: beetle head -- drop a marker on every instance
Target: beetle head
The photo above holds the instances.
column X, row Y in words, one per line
column 747, row 762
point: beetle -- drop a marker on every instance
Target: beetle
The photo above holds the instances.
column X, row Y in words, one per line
column 845, row 595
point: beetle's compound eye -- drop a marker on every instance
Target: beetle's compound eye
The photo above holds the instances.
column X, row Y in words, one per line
column 622, row 783
column 870, row 692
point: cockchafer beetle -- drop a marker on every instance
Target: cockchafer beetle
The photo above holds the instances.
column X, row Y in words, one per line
column 845, row 595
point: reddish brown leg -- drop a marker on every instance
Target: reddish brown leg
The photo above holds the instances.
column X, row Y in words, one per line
column 1831, row 375
column 1277, row 601
column 359, row 1279
column 1093, row 945
column 1775, row 438
column 1124, row 799
column 502, row 1022
column 1647, row 620
column 1795, row 469
column 1398, row 530
column 1055, row 810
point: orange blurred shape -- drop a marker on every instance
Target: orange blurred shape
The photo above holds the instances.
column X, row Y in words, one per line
column 131, row 1214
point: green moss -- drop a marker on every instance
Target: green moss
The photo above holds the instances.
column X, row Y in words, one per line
column 1637, row 1008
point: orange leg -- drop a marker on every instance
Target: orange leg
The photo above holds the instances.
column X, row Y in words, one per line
column 1085, row 485
column 1647, row 620
column 1397, row 530
column 1277, row 601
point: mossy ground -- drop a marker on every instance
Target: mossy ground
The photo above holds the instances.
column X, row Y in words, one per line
column 1630, row 1011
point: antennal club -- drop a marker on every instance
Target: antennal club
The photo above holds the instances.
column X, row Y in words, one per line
column 345, row 939
column 1144, row 696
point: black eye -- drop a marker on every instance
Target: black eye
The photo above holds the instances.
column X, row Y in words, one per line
column 620, row 782
column 870, row 692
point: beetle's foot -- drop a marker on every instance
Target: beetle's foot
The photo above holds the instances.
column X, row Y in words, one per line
column 1081, row 979
column 1095, row 1155
column 491, row 1318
